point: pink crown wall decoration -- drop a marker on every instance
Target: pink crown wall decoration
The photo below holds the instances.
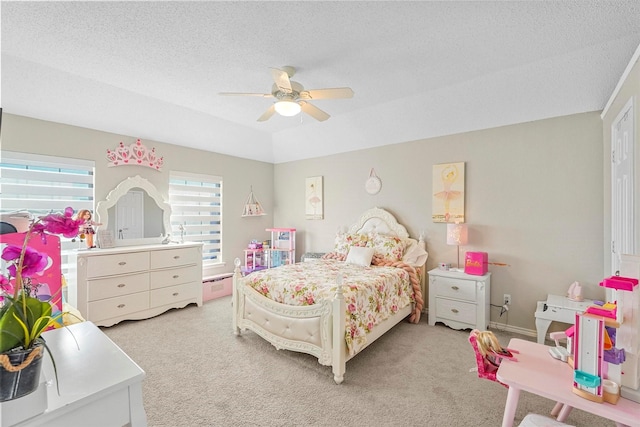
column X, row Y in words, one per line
column 136, row 154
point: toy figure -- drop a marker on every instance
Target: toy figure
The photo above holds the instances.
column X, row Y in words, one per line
column 491, row 349
column 86, row 230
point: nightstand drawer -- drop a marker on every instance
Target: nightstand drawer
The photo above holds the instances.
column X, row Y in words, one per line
column 455, row 288
column 463, row 312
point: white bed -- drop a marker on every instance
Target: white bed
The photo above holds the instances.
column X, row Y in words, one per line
column 310, row 328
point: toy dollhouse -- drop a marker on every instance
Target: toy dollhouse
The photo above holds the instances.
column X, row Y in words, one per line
column 280, row 250
column 283, row 247
column 605, row 343
column 254, row 257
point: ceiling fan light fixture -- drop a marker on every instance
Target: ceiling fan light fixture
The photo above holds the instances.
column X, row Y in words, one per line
column 287, row 108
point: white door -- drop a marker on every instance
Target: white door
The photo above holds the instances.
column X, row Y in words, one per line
column 622, row 200
column 130, row 216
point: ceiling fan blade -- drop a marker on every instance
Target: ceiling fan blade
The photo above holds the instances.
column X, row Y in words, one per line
column 263, row 95
column 333, row 93
column 281, row 78
column 267, row 114
column 314, row 111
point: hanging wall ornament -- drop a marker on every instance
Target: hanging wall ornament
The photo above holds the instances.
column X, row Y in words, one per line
column 373, row 185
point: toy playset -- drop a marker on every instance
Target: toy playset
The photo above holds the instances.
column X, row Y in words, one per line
column 592, row 345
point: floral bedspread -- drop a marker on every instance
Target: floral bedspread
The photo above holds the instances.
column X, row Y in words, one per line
column 371, row 293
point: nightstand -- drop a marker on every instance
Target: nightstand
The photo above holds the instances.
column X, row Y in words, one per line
column 459, row 300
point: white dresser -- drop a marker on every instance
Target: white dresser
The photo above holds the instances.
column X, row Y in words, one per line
column 459, row 300
column 134, row 282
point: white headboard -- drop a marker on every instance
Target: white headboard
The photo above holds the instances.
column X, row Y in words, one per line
column 383, row 222
column 380, row 221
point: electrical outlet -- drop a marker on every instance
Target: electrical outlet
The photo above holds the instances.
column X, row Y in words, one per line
column 506, row 299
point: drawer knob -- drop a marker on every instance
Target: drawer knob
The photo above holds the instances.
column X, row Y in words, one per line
column 176, row 257
column 175, row 294
column 175, row 276
column 120, row 305
column 455, row 310
column 455, row 288
column 121, row 285
column 122, row 263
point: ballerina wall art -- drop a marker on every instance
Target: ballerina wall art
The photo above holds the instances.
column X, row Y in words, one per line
column 313, row 198
column 448, row 192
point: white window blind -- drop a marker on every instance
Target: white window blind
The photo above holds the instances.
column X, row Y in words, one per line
column 44, row 184
column 196, row 205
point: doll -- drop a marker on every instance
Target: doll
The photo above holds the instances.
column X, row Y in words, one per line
column 86, row 229
column 491, row 349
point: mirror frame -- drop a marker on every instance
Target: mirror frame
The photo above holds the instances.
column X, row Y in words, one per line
column 102, row 208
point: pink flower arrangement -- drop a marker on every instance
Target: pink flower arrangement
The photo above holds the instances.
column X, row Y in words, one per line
column 23, row 317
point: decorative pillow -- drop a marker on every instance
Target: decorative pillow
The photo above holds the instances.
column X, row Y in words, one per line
column 344, row 241
column 414, row 254
column 387, row 247
column 360, row 256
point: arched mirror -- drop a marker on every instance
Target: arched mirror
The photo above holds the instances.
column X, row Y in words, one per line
column 135, row 213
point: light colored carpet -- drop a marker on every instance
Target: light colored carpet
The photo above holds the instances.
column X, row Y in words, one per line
column 198, row 373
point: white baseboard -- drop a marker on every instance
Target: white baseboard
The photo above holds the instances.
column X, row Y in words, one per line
column 514, row 329
column 503, row 327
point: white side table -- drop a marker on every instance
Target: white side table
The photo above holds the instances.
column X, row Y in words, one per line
column 459, row 300
column 557, row 308
column 99, row 384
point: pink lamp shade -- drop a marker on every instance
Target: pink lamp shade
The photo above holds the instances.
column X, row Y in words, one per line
column 457, row 234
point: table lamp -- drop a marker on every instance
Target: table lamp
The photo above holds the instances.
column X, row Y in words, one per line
column 457, row 235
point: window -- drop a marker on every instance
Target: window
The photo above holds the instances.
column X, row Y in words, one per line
column 196, row 213
column 43, row 184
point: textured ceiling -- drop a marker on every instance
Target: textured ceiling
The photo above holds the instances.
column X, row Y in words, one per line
column 153, row 70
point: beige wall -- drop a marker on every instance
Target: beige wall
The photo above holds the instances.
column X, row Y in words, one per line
column 534, row 198
column 36, row 136
column 630, row 88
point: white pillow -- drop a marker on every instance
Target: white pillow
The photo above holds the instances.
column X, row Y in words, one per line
column 414, row 254
column 360, row 256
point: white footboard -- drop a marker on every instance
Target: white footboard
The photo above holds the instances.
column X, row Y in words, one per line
column 314, row 329
column 306, row 329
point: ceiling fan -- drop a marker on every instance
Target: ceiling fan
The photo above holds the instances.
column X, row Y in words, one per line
column 291, row 97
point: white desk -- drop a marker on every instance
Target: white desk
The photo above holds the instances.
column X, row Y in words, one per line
column 559, row 309
column 537, row 372
column 99, row 384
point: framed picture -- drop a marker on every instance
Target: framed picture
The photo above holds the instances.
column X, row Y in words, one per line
column 314, row 205
column 105, row 239
column 448, row 192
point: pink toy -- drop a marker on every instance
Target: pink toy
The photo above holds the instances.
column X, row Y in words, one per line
column 620, row 283
column 608, row 310
column 476, row 263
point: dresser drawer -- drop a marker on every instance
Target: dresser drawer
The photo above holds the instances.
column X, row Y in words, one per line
column 109, row 287
column 174, row 257
column 174, row 276
column 463, row 312
column 117, row 306
column 109, row 265
column 172, row 294
column 455, row 288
